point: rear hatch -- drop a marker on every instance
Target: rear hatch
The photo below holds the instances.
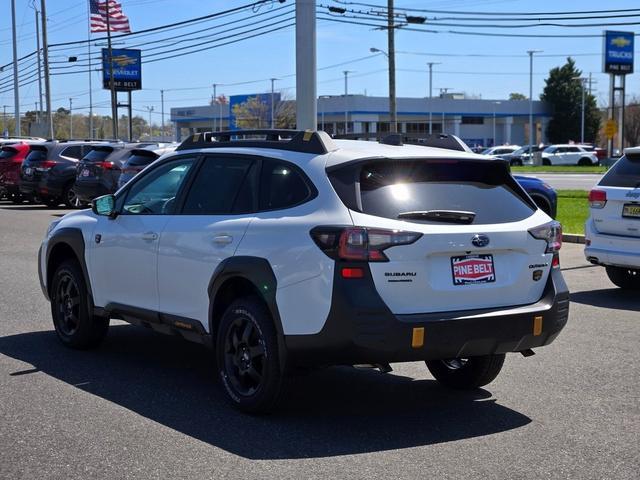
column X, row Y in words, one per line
column 95, row 163
column 8, row 167
column 615, row 201
column 473, row 248
column 36, row 163
column 138, row 160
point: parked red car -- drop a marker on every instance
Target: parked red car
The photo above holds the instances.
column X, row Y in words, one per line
column 11, row 157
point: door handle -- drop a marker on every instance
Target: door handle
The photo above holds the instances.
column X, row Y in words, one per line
column 222, row 239
column 150, row 236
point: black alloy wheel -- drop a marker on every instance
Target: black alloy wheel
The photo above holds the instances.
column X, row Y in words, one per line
column 247, row 358
column 67, row 304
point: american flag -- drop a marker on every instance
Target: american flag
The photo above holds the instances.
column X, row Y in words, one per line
column 118, row 21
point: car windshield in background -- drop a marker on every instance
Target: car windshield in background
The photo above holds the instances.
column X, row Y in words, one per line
column 396, row 188
column 7, row 152
column 625, row 173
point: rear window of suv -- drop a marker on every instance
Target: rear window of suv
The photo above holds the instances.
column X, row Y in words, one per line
column 625, row 173
column 37, row 154
column 388, row 188
column 98, row 154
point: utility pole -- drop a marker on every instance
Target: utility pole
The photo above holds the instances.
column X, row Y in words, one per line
column 346, row 100
column 393, row 111
column 38, row 60
column 90, row 72
column 582, row 84
column 71, row 118
column 306, row 85
column 272, row 102
column 494, row 122
column 531, row 139
column 114, row 97
column 431, row 64
column 45, row 59
column 150, row 109
column 4, row 121
column 16, row 93
column 215, row 102
column 162, row 111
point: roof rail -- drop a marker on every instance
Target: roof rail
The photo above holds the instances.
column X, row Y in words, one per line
column 20, row 137
column 303, row 141
column 105, row 140
column 436, row 140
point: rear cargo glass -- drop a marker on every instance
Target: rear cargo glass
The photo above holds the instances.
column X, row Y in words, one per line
column 387, row 188
column 37, row 154
column 7, row 152
column 625, row 173
column 98, row 154
column 141, row 160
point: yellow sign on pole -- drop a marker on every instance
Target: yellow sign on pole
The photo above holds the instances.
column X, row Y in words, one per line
column 610, row 129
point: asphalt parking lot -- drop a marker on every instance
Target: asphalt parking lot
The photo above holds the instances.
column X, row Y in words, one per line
column 144, row 405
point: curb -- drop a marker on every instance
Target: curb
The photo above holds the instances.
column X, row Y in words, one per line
column 572, row 238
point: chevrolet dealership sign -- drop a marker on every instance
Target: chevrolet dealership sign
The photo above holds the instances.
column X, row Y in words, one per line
column 618, row 52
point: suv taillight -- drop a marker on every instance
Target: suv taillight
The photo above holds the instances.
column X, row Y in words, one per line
column 107, row 165
column 45, row 165
column 597, row 198
column 360, row 243
column 552, row 233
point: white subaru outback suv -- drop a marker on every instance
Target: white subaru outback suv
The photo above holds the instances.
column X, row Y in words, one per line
column 282, row 249
column 612, row 231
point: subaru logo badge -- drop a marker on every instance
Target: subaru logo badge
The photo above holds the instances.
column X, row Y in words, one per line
column 480, row 240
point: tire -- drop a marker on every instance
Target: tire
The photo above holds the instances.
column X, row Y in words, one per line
column 626, row 278
column 546, row 162
column 467, row 373
column 247, row 356
column 69, row 197
column 542, row 204
column 73, row 321
column 51, row 202
column 516, row 162
column 17, row 199
column 585, row 162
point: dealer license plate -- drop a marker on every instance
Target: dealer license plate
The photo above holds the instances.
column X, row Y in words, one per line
column 631, row 210
column 28, row 170
column 471, row 269
column 85, row 172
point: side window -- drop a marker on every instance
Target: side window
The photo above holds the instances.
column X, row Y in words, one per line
column 72, row 152
column 282, row 186
column 156, row 192
column 573, row 149
column 222, row 185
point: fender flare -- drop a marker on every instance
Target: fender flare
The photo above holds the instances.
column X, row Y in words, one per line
column 259, row 273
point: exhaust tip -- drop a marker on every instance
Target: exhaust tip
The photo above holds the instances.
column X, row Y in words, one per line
column 527, row 353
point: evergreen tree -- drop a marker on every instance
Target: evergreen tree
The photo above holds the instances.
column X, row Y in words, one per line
column 563, row 91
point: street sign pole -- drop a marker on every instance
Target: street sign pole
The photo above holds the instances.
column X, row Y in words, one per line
column 306, row 107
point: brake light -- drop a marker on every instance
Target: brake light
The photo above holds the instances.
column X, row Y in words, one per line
column 107, row 165
column 359, row 243
column 552, row 233
column 357, row 272
column 597, row 198
column 45, row 165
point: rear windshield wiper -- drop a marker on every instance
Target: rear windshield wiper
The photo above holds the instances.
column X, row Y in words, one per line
column 448, row 216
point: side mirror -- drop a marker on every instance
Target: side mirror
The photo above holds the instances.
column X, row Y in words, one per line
column 105, row 206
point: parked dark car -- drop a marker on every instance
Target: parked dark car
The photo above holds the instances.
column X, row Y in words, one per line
column 139, row 158
column 49, row 171
column 543, row 194
column 11, row 158
column 522, row 155
column 98, row 171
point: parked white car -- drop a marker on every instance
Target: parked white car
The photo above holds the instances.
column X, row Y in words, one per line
column 613, row 228
column 568, row 155
column 501, row 151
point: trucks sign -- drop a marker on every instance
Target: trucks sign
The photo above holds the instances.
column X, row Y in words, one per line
column 618, row 52
column 127, row 69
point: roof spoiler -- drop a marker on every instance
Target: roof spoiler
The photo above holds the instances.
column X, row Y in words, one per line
column 435, row 140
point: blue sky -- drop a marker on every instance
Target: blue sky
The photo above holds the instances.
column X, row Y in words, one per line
column 273, row 55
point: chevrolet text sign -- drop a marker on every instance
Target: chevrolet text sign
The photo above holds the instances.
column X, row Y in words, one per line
column 127, row 69
column 618, row 52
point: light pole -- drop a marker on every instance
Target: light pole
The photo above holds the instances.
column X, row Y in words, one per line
column 531, row 52
column 150, row 109
column 393, row 114
column 494, row 122
column 215, row 102
column 4, row 121
column 431, row 64
column 346, row 100
column 273, row 123
column 162, row 111
column 16, row 95
column 322, row 97
column 583, row 81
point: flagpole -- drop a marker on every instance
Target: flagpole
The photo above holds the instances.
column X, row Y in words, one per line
column 90, row 69
column 114, row 98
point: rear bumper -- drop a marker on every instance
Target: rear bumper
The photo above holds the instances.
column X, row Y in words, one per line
column 88, row 190
column 47, row 187
column 361, row 329
column 614, row 250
